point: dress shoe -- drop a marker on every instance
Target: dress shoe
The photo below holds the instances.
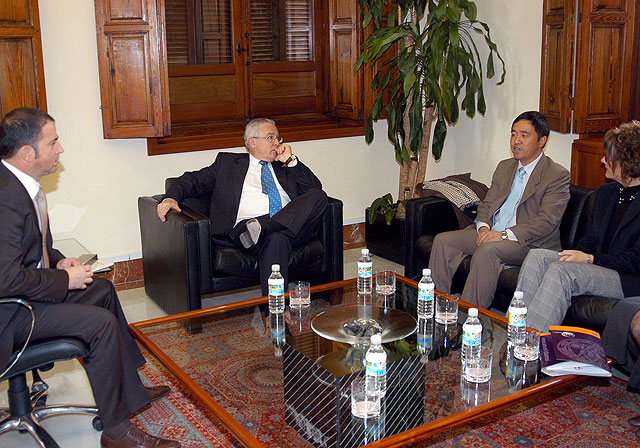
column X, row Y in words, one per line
column 635, row 421
column 137, row 438
column 157, row 392
column 251, row 236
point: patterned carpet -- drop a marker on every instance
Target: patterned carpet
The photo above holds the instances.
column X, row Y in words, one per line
column 592, row 413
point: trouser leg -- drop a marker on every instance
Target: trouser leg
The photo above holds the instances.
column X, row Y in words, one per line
column 486, row 264
column 274, row 249
column 114, row 380
column 448, row 250
column 563, row 280
column 532, row 271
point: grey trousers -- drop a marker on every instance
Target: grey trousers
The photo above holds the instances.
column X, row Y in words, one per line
column 450, row 248
column 548, row 285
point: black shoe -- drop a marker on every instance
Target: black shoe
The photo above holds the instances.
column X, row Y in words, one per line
column 251, row 236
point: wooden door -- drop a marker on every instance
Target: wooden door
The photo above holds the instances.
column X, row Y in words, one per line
column 21, row 68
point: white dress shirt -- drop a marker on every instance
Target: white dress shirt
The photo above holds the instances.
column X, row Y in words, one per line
column 528, row 170
column 253, row 202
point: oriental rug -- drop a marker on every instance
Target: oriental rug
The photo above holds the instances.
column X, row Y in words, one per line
column 590, row 413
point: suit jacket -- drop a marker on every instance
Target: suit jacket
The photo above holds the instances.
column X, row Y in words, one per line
column 624, row 249
column 20, row 253
column 224, row 179
column 542, row 204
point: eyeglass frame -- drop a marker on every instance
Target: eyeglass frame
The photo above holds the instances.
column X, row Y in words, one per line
column 271, row 138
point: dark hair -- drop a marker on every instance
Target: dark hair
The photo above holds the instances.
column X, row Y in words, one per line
column 539, row 122
column 21, row 127
column 622, row 146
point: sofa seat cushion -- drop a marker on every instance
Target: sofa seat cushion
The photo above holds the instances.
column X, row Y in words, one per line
column 241, row 263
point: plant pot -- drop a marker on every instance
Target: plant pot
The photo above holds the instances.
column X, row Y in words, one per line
column 386, row 241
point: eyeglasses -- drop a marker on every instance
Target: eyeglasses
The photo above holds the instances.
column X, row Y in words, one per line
column 271, row 138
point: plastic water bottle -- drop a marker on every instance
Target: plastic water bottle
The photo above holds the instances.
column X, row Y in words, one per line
column 376, row 367
column 517, row 315
column 471, row 336
column 425, row 295
column 365, row 273
column 276, row 290
column 276, row 328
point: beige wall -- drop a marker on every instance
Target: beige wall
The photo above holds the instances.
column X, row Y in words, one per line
column 93, row 196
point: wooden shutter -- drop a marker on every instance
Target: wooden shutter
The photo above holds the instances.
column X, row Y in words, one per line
column 132, row 67
column 345, row 87
column 558, row 30
column 21, row 69
column 604, row 78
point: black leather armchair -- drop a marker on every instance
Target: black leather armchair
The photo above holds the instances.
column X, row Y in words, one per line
column 27, row 408
column 181, row 264
column 428, row 216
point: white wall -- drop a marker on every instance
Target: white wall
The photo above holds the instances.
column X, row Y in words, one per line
column 93, row 197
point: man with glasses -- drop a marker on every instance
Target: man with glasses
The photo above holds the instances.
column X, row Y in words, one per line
column 266, row 201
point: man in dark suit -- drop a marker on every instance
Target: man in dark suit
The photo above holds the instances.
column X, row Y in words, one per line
column 66, row 299
column 521, row 210
column 266, row 201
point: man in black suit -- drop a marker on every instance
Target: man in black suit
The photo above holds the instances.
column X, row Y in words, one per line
column 266, row 201
column 66, row 299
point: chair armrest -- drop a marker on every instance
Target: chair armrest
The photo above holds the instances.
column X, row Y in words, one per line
column 175, row 254
column 331, row 237
column 425, row 216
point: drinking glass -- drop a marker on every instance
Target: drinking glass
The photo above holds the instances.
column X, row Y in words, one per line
column 529, row 348
column 299, row 294
column 385, row 282
column 478, row 370
column 446, row 309
column 363, row 404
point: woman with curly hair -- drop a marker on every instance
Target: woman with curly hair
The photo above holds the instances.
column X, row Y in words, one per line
column 606, row 260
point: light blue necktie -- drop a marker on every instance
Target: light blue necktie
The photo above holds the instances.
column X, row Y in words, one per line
column 508, row 209
column 269, row 188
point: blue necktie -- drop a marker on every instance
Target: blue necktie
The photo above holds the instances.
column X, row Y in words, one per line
column 269, row 188
column 508, row 209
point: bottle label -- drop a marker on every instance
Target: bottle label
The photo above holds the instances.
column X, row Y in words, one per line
column 517, row 319
column 425, row 294
column 471, row 337
column 376, row 368
column 276, row 287
column 365, row 269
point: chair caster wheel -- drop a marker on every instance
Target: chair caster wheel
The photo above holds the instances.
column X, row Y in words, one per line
column 97, row 424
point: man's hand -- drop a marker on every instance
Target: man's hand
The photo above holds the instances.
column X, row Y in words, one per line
column 79, row 276
column 485, row 235
column 67, row 263
column 575, row 255
column 165, row 206
column 284, row 152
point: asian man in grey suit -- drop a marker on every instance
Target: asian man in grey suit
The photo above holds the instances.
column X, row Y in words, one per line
column 522, row 210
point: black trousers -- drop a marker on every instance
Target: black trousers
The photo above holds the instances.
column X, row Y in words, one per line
column 95, row 316
column 299, row 221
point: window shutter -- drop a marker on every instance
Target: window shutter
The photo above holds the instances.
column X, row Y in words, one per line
column 558, row 26
column 176, row 16
column 216, row 32
column 21, row 69
column 133, row 69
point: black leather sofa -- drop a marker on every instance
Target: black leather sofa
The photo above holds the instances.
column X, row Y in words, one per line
column 181, row 264
column 428, row 216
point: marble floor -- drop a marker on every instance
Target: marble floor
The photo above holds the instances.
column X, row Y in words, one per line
column 68, row 382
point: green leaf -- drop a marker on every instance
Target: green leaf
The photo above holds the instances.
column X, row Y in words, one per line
column 471, row 11
column 389, row 214
column 439, row 134
column 368, row 137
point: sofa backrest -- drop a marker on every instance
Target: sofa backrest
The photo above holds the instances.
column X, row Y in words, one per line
column 575, row 217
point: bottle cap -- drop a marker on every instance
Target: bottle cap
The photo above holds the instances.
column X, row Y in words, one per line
column 365, row 252
column 426, row 272
column 376, row 339
column 518, row 295
column 473, row 312
column 275, row 267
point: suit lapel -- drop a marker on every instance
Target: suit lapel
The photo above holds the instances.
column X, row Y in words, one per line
column 534, row 179
column 629, row 216
column 238, row 173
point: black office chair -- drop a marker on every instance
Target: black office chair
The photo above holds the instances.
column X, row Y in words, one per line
column 27, row 408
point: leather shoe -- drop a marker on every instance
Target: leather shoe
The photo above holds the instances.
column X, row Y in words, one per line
column 137, row 438
column 157, row 392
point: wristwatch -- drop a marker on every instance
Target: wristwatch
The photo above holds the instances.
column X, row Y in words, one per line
column 291, row 158
column 505, row 235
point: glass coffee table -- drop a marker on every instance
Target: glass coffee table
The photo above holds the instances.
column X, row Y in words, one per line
column 274, row 382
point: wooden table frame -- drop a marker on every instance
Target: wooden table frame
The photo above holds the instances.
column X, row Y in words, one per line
column 396, row 440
